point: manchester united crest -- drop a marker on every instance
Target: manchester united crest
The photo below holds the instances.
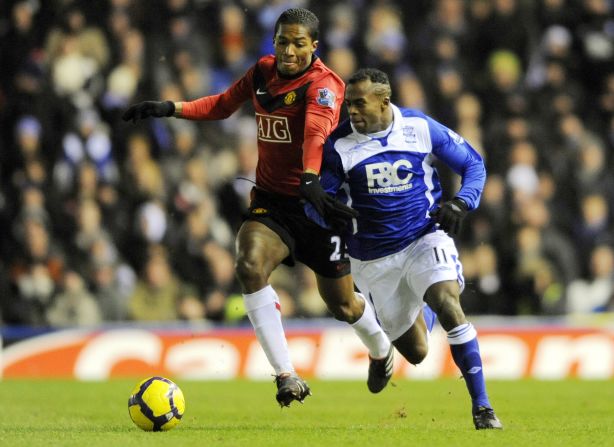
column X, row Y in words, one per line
column 290, row 98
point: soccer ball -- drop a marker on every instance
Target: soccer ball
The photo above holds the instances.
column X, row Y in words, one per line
column 156, row 404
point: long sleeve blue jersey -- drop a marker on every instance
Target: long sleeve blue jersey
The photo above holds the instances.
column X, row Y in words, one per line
column 389, row 178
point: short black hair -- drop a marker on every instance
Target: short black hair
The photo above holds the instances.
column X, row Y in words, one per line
column 300, row 16
column 376, row 77
column 373, row 74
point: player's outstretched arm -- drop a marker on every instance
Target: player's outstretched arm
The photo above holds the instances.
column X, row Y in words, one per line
column 146, row 109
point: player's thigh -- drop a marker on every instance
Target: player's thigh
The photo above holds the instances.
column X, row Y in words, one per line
column 259, row 247
column 384, row 283
column 433, row 259
column 320, row 249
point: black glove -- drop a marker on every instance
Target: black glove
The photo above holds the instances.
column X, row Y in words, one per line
column 146, row 109
column 336, row 214
column 450, row 216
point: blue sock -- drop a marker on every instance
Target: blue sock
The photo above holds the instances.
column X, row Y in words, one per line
column 429, row 317
column 466, row 353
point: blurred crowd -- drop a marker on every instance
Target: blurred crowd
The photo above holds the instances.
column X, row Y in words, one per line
column 104, row 220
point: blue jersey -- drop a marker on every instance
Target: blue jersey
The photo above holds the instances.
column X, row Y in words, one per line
column 389, row 178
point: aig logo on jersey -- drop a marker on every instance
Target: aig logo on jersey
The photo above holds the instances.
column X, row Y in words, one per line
column 273, row 129
column 386, row 177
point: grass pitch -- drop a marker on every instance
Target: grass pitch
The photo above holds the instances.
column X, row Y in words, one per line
column 243, row 413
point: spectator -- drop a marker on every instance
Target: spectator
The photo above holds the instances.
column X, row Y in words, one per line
column 594, row 294
column 36, row 274
column 593, row 225
column 535, row 287
column 384, row 39
column 111, row 279
column 74, row 305
column 159, row 295
column 483, row 292
column 200, row 256
column 308, row 299
column 20, row 40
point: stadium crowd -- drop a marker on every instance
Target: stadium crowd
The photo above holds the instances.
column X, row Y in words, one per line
column 107, row 221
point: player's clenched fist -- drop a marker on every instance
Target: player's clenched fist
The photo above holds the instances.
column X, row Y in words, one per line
column 336, row 213
column 146, row 109
column 450, row 216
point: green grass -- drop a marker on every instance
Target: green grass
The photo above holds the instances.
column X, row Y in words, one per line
column 243, row 413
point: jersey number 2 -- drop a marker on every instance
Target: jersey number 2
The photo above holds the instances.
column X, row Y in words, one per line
column 336, row 255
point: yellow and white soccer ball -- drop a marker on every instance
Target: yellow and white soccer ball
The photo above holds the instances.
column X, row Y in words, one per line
column 156, row 404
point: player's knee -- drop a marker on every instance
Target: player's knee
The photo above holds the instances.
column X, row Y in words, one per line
column 453, row 315
column 341, row 311
column 250, row 272
column 344, row 306
column 348, row 311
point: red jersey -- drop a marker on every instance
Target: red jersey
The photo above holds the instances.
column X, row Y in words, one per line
column 294, row 117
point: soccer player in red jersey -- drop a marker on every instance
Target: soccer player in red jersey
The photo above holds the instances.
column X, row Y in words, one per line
column 297, row 102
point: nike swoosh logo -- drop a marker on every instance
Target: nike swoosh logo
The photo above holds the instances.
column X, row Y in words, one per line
column 309, row 182
column 260, row 92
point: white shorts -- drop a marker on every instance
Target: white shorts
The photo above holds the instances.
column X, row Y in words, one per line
column 396, row 284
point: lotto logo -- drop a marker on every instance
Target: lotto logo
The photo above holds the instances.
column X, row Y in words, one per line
column 389, row 177
column 273, row 128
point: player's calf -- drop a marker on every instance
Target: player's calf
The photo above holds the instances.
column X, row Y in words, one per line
column 413, row 344
column 413, row 353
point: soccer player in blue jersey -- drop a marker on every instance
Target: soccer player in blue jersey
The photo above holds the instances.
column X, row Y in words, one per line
column 380, row 162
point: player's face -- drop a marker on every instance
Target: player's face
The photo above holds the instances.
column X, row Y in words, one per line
column 366, row 109
column 293, row 48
